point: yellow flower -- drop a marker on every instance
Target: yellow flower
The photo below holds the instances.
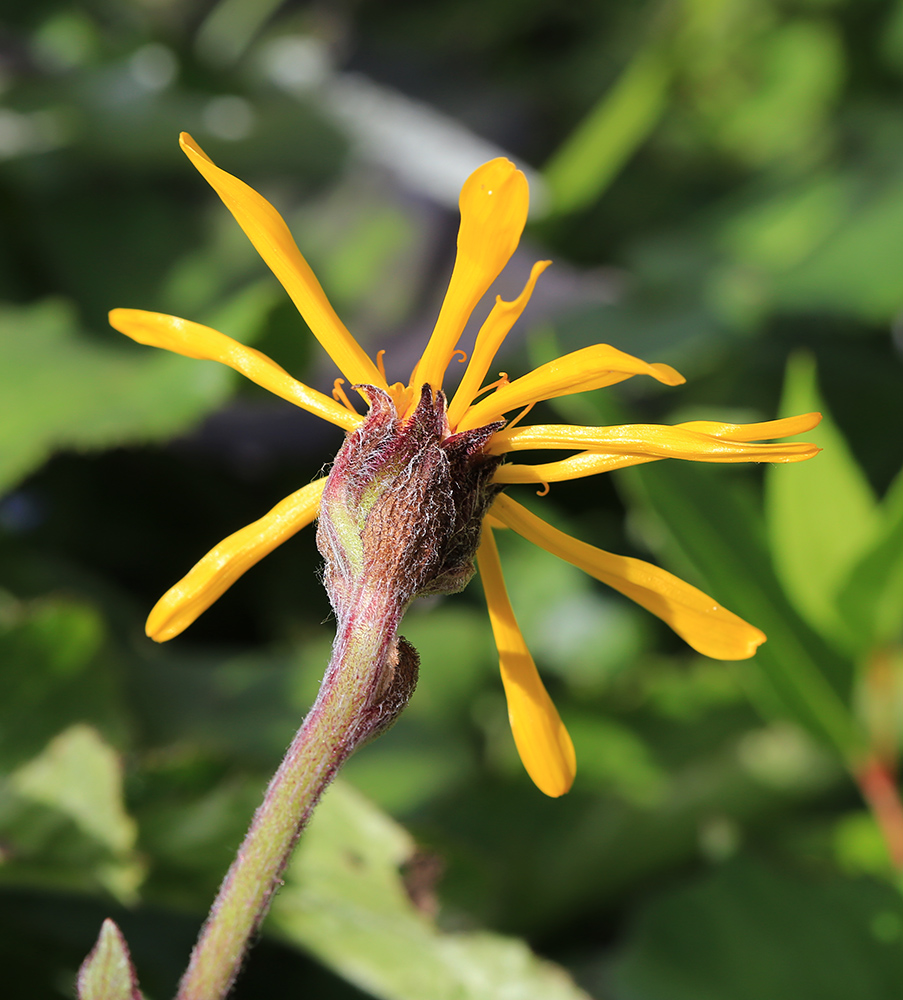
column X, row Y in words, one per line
column 493, row 207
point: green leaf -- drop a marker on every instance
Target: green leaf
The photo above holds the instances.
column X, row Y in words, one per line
column 715, row 532
column 51, row 673
column 60, row 389
column 747, row 932
column 797, row 70
column 871, row 600
column 854, row 271
column 613, row 756
column 346, row 901
column 64, row 821
column 107, row 973
column 610, row 134
column 822, row 514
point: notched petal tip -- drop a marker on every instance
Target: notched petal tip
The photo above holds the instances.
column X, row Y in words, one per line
column 491, row 179
column 804, row 422
column 589, row 368
column 193, row 340
column 212, row 576
column 542, row 741
column 164, row 622
column 128, row 321
column 494, row 203
column 267, row 230
column 666, row 374
column 699, row 620
column 187, row 143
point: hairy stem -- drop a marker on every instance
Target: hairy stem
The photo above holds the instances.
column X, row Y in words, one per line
column 369, row 680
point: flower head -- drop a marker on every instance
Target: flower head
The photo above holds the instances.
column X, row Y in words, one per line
column 477, row 427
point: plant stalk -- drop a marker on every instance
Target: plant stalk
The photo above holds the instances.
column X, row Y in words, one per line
column 362, row 692
column 879, row 789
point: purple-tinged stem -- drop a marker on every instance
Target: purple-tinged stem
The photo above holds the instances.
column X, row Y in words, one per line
column 369, row 679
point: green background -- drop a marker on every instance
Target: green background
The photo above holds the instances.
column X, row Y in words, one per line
column 720, row 187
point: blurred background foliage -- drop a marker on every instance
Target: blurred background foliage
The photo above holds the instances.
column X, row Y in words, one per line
column 720, row 184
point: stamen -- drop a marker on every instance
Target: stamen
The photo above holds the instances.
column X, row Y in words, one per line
column 463, row 357
column 380, row 365
column 338, row 394
column 503, row 380
column 520, row 417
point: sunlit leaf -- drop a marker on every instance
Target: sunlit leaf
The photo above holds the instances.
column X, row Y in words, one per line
column 591, row 157
column 822, row 514
column 872, row 597
column 51, row 673
column 64, row 819
column 60, row 389
column 346, row 900
column 714, row 531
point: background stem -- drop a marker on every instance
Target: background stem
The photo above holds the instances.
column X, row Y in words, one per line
column 879, row 789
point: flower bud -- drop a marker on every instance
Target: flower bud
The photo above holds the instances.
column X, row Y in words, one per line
column 403, row 505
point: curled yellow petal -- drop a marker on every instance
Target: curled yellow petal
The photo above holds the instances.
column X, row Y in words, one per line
column 490, row 338
column 636, row 444
column 267, row 230
column 539, row 734
column 655, row 440
column 764, row 431
column 196, row 341
column 709, row 628
column 493, row 203
column 589, row 368
column 587, row 463
column 209, row 579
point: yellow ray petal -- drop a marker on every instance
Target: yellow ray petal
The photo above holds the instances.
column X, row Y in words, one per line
column 766, row 430
column 589, row 368
column 267, row 230
column 196, row 341
column 709, row 628
column 493, row 203
column 587, row 463
column 656, row 440
column 539, row 734
column 209, row 579
column 490, row 338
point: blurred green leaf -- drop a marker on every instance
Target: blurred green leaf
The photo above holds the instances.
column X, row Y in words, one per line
column 59, row 389
column 778, row 231
column 64, row 821
column 855, row 271
column 589, row 159
column 716, row 534
column 347, row 902
column 798, row 70
column 822, row 514
column 586, row 852
column 231, row 25
column 613, row 756
column 81, row 776
column 859, row 845
column 747, row 932
column 51, row 673
column 107, row 973
column 871, row 599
